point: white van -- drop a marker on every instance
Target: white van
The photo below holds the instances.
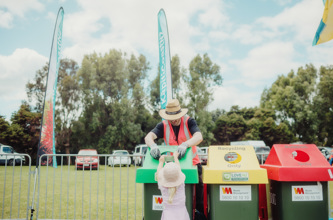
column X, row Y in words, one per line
column 7, row 157
column 139, row 154
column 204, row 155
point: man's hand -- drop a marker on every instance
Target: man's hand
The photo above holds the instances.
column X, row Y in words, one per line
column 182, row 150
column 155, row 152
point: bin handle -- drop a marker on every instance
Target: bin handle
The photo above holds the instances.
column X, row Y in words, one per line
column 164, row 149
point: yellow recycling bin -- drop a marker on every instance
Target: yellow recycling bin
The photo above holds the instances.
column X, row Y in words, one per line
column 232, row 176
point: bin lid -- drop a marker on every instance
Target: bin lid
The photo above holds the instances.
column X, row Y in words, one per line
column 297, row 162
column 146, row 173
column 237, row 164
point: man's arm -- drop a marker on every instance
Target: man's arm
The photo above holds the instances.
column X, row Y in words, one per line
column 154, row 151
column 149, row 139
column 195, row 140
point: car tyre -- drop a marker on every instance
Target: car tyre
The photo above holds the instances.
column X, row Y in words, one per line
column 10, row 162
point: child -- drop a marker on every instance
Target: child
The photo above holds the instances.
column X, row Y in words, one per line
column 170, row 181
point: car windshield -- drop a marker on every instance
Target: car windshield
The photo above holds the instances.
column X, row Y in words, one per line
column 7, row 150
column 144, row 150
column 120, row 153
column 87, row 152
column 262, row 149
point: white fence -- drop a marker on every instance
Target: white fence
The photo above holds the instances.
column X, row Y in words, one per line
column 109, row 192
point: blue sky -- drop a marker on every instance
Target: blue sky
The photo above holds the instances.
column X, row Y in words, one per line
column 252, row 41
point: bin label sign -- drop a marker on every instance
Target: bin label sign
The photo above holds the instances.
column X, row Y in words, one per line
column 235, row 176
column 157, row 203
column 235, row 193
column 307, row 193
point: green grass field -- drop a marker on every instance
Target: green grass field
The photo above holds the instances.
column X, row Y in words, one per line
column 110, row 193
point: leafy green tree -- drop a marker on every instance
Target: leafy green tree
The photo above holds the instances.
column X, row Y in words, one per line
column 114, row 115
column 229, row 128
column 291, row 97
column 203, row 76
column 324, row 106
column 25, row 130
column 217, row 113
column 36, row 88
column 67, row 104
column 4, row 129
column 251, row 124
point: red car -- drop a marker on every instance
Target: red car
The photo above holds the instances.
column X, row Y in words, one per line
column 87, row 158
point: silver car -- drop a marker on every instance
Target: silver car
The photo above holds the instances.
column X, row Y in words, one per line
column 119, row 157
column 9, row 156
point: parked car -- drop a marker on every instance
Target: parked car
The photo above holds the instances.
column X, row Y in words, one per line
column 87, row 159
column 262, row 153
column 7, row 157
column 204, row 155
column 326, row 152
column 139, row 154
column 119, row 157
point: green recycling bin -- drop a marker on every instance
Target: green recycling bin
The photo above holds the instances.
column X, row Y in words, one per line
column 298, row 175
column 232, row 176
column 152, row 195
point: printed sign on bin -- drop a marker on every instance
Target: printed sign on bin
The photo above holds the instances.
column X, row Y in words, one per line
column 235, row 176
column 157, row 203
column 307, row 193
column 235, row 193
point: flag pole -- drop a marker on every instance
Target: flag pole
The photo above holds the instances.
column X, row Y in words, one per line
column 46, row 144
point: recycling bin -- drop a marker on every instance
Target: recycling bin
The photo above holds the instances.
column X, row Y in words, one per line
column 232, row 176
column 298, row 177
column 152, row 195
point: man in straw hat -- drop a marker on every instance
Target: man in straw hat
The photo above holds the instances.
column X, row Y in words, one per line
column 182, row 130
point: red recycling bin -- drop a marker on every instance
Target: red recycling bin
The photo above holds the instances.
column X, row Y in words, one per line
column 298, row 175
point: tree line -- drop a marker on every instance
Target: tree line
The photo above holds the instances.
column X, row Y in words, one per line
column 110, row 102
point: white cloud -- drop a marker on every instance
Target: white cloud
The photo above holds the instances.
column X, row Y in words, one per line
column 101, row 26
column 283, row 2
column 6, row 19
column 320, row 54
column 266, row 62
column 12, row 8
column 227, row 96
column 19, row 7
column 297, row 24
column 16, row 70
column 212, row 17
column 302, row 20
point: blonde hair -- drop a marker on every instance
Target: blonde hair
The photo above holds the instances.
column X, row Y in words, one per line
column 172, row 192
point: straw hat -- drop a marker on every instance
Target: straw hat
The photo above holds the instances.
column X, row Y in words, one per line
column 171, row 175
column 173, row 111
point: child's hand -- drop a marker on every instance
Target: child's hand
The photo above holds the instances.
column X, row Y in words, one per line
column 162, row 159
column 175, row 154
